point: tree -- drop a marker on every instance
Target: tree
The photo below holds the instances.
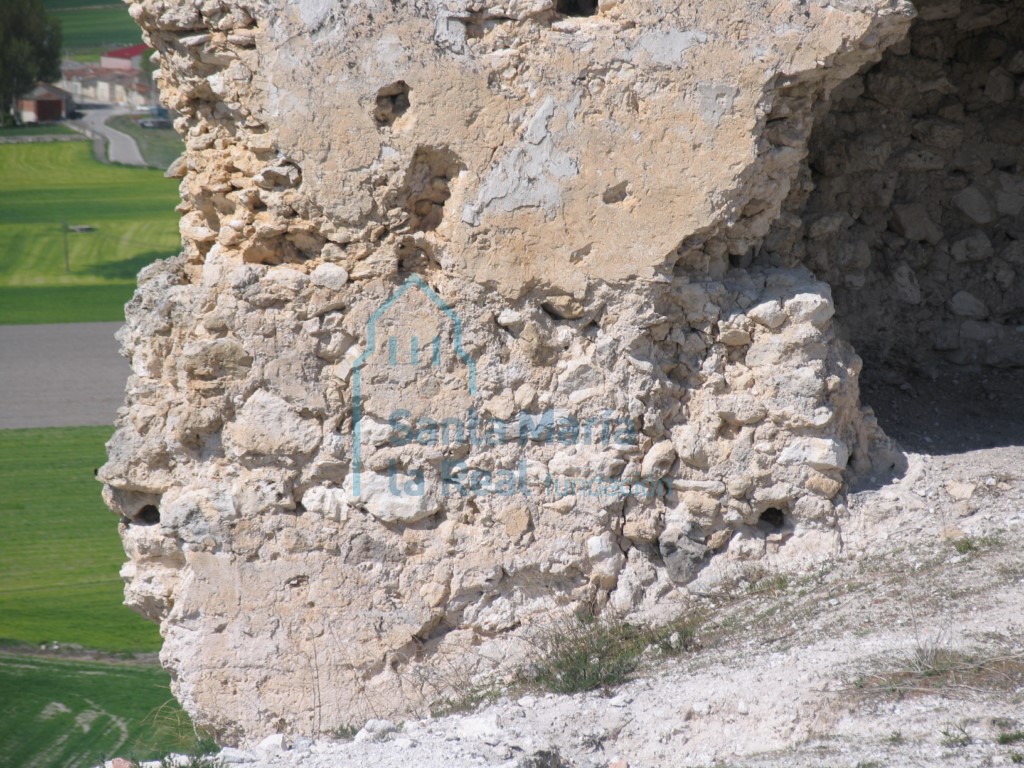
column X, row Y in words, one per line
column 30, row 44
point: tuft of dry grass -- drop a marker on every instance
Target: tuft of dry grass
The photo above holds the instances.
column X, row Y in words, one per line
column 931, row 667
column 583, row 653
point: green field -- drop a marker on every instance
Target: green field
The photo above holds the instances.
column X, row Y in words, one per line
column 95, row 30
column 159, row 146
column 64, row 304
column 131, row 211
column 75, row 714
column 64, row 5
column 37, row 130
column 60, row 552
column 59, row 561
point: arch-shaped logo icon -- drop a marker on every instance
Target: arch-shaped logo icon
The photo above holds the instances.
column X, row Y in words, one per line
column 417, row 353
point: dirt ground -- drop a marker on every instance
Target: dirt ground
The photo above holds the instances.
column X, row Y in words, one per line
column 948, row 409
column 60, row 375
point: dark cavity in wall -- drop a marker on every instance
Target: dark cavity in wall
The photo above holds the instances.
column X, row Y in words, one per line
column 772, row 519
column 427, row 187
column 392, row 102
column 576, row 7
column 912, row 208
column 148, row 515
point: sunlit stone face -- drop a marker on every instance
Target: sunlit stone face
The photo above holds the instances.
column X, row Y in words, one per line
column 408, row 221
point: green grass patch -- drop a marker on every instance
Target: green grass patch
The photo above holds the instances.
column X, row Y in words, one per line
column 55, row 129
column 59, row 549
column 964, row 546
column 96, row 29
column 64, row 5
column 64, row 304
column 159, row 146
column 59, row 562
column 583, row 653
column 74, row 714
column 130, row 212
column 1013, row 737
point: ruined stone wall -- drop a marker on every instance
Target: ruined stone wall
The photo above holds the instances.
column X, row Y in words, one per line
column 467, row 334
column 910, row 206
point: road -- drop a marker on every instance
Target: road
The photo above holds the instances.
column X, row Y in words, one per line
column 121, row 148
column 60, row 375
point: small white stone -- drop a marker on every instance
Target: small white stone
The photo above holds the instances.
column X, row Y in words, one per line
column 734, row 337
column 769, row 314
column 658, row 460
column 272, row 744
column 375, row 730
column 974, row 247
column 509, row 318
column 330, row 276
column 815, row 452
column 974, row 205
column 913, row 222
column 484, row 727
column 813, row 308
column 231, row 755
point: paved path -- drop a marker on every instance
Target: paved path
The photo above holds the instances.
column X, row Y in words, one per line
column 60, row 375
column 121, row 148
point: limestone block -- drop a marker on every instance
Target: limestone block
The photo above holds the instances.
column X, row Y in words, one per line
column 269, row 426
column 974, row 204
column 606, row 559
column 816, row 452
column 965, row 304
column 913, row 222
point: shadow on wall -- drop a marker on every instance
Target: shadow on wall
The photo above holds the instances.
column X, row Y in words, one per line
column 947, row 409
column 912, row 209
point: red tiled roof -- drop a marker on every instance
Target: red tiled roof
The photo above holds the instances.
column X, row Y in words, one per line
column 128, row 53
column 100, row 73
column 44, row 91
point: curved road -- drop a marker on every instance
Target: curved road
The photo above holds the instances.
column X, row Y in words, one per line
column 121, row 148
column 60, row 375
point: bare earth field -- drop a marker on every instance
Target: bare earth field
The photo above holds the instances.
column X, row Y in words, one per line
column 60, row 375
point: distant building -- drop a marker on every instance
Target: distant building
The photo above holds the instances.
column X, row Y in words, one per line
column 44, row 104
column 124, row 58
column 129, row 87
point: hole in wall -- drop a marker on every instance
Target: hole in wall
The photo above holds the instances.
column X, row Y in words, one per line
column 148, row 515
column 392, row 102
column 911, row 207
column 479, row 23
column 616, row 193
column 772, row 518
column 576, row 7
column 427, row 187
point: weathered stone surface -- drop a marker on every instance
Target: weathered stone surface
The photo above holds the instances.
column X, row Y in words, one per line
column 912, row 221
column 816, row 452
column 481, row 320
column 964, row 304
